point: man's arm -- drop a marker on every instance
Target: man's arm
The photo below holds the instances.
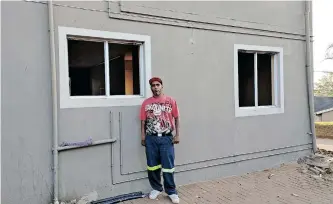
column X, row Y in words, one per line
column 143, row 133
column 175, row 114
column 177, row 124
column 143, row 122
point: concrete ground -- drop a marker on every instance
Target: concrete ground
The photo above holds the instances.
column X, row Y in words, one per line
column 283, row 185
column 326, row 144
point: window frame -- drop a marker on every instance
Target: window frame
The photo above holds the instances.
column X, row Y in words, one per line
column 67, row 101
column 277, row 82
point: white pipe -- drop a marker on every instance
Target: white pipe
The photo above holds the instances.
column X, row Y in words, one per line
column 309, row 69
column 54, row 104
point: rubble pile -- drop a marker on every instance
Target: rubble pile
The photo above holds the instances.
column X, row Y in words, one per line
column 325, row 152
column 319, row 165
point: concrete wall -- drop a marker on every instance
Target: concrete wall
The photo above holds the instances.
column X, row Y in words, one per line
column 327, row 117
column 324, row 117
column 26, row 104
column 214, row 142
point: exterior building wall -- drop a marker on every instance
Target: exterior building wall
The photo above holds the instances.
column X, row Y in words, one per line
column 196, row 62
column 327, row 117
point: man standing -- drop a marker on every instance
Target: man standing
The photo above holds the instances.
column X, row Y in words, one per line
column 159, row 118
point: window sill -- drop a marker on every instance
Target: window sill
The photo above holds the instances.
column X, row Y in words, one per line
column 100, row 101
column 251, row 111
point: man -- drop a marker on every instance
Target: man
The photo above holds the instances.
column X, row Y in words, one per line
column 159, row 118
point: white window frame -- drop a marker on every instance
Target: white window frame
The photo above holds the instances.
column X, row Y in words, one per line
column 277, row 82
column 67, row 101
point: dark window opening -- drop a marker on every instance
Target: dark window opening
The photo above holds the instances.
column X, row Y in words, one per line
column 246, row 79
column 264, row 79
column 87, row 69
column 124, row 69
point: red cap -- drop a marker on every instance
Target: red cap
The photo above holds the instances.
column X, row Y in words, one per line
column 155, row 79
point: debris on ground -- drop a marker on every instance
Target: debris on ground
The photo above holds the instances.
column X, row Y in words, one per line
column 319, row 165
column 86, row 199
column 71, row 202
column 325, row 152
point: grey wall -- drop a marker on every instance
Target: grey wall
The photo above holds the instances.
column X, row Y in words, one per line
column 260, row 15
column 327, row 117
column 26, row 104
column 324, row 117
column 213, row 142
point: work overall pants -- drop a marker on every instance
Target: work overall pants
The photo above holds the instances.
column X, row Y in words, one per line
column 160, row 156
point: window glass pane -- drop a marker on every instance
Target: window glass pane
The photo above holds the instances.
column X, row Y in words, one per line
column 124, row 69
column 86, row 68
column 265, row 77
column 246, row 79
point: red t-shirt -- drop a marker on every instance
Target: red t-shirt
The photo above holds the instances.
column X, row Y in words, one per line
column 159, row 114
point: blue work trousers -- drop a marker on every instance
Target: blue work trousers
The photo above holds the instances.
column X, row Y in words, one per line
column 160, row 157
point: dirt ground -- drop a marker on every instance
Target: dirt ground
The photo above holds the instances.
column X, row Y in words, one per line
column 288, row 184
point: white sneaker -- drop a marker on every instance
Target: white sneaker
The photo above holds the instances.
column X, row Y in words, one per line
column 153, row 194
column 174, row 198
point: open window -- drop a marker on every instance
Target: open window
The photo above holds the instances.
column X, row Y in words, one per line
column 258, row 80
column 100, row 68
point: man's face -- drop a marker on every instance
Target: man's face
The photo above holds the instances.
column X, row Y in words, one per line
column 156, row 88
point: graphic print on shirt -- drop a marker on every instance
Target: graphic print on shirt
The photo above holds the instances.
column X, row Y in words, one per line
column 157, row 121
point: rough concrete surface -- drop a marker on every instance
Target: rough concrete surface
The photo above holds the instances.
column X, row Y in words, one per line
column 286, row 185
column 93, row 196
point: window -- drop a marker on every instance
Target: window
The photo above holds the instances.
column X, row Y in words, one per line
column 258, row 80
column 99, row 68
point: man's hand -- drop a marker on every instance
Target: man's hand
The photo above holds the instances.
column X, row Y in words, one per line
column 176, row 139
column 143, row 140
column 143, row 133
